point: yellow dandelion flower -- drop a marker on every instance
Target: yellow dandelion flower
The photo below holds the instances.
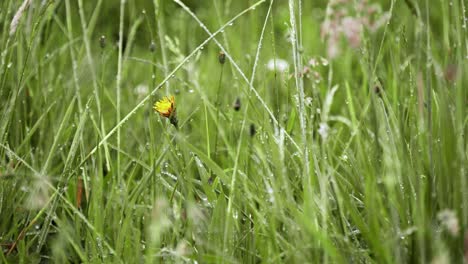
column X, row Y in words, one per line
column 165, row 107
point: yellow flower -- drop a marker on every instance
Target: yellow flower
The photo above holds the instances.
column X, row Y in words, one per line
column 165, row 107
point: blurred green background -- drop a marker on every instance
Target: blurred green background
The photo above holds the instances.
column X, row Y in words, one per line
column 355, row 151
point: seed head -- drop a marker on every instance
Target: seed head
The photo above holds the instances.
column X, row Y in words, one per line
column 252, row 130
column 378, row 90
column 152, row 46
column 222, row 57
column 237, row 104
column 102, row 41
column 18, row 15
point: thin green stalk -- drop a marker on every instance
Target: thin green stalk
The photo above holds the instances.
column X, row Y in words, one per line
column 119, row 83
column 276, row 87
column 159, row 16
column 218, row 106
column 73, row 56
column 433, row 191
column 300, row 88
column 207, row 130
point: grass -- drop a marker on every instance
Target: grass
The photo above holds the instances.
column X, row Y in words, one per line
column 358, row 157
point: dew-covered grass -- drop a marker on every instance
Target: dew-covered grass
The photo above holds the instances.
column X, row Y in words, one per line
column 303, row 131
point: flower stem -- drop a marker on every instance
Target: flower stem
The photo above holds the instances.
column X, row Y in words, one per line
column 218, row 105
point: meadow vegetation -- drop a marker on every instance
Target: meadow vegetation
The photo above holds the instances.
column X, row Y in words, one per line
column 299, row 131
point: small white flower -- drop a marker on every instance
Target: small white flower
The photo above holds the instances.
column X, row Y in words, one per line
column 141, row 90
column 344, row 157
column 323, row 130
column 449, row 221
column 279, row 65
column 313, row 62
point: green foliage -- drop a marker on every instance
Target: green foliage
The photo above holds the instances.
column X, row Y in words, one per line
column 358, row 156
